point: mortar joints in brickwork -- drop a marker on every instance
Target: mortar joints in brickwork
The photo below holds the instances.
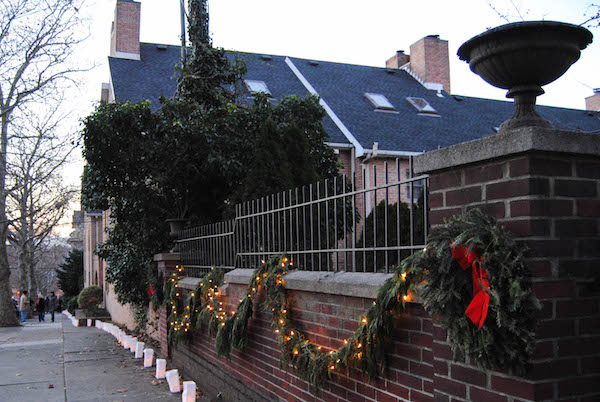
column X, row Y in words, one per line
column 551, row 187
column 554, row 267
column 506, row 169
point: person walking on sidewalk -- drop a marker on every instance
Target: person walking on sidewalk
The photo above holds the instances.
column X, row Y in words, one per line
column 52, row 301
column 40, row 307
column 23, row 306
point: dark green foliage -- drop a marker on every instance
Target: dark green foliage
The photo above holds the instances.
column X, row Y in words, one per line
column 72, row 305
column 70, row 273
column 90, row 298
column 397, row 234
column 270, row 171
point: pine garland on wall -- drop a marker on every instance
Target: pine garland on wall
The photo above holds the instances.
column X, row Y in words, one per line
column 471, row 274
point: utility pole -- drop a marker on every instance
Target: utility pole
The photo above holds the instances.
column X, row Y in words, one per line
column 183, row 41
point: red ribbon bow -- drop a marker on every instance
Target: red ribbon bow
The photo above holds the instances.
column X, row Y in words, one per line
column 150, row 291
column 478, row 309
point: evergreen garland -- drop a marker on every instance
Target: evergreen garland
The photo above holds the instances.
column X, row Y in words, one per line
column 505, row 341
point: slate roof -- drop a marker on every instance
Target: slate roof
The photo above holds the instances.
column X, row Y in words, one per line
column 343, row 86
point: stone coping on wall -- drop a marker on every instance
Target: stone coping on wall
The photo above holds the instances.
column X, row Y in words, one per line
column 189, row 282
column 356, row 284
column 167, row 257
column 517, row 141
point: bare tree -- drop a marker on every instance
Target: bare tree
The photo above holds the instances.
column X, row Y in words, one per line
column 512, row 11
column 48, row 258
column 37, row 198
column 37, row 41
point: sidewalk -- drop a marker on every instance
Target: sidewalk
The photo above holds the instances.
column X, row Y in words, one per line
column 59, row 362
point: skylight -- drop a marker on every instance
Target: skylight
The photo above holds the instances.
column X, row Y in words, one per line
column 256, row 87
column 421, row 105
column 380, row 101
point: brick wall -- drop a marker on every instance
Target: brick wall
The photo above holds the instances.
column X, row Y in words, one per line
column 327, row 320
column 551, row 201
column 166, row 265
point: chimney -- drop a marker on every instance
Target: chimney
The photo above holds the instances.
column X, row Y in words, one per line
column 429, row 60
column 105, row 93
column 125, row 31
column 592, row 103
column 398, row 60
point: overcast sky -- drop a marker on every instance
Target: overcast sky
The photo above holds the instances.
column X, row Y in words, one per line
column 359, row 32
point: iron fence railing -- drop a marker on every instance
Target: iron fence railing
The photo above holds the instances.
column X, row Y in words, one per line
column 364, row 224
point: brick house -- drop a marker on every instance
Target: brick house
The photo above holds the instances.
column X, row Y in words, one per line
column 374, row 114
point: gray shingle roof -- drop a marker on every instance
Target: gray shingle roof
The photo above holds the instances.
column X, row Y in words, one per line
column 343, row 87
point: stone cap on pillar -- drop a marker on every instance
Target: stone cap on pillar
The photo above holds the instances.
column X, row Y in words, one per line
column 518, row 141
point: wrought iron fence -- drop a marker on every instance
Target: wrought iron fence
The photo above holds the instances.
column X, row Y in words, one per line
column 364, row 224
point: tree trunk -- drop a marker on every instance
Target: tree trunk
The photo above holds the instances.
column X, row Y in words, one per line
column 7, row 307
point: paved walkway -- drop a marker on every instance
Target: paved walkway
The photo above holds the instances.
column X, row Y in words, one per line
column 59, row 362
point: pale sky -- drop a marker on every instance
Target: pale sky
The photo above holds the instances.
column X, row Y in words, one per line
column 368, row 33
column 348, row 31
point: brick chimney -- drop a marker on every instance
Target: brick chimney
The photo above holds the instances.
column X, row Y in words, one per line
column 592, row 103
column 398, row 60
column 125, row 31
column 430, row 61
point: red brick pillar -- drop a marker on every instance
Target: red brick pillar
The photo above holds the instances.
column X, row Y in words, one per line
column 544, row 186
column 166, row 264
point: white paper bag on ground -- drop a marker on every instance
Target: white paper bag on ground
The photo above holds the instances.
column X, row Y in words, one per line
column 189, row 391
column 139, row 350
column 173, row 380
column 148, row 356
column 161, row 367
column 132, row 344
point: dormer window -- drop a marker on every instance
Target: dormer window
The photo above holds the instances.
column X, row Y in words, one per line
column 421, row 105
column 256, row 87
column 379, row 101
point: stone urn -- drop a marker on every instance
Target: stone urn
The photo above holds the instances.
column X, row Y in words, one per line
column 522, row 57
column 175, row 226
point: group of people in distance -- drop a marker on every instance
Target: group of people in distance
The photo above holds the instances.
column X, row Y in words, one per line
column 50, row 304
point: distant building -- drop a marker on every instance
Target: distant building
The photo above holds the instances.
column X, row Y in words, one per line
column 76, row 236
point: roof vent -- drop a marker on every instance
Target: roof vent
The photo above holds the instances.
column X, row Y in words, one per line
column 161, row 47
column 421, row 105
column 313, row 62
column 390, row 70
column 256, row 86
column 379, row 101
column 458, row 98
column 266, row 57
